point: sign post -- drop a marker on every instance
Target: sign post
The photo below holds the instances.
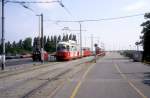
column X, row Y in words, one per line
column 95, row 45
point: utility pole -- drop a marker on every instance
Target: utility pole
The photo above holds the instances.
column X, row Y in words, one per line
column 92, row 42
column 85, row 41
column 80, row 39
column 42, row 44
column 3, row 35
column 41, row 31
column 39, row 26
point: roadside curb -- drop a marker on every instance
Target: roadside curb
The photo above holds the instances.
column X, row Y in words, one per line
column 146, row 62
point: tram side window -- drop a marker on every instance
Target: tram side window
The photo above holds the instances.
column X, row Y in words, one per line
column 74, row 48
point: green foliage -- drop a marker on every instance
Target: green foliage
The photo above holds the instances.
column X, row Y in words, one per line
column 51, row 42
column 18, row 47
column 59, row 38
column 25, row 46
column 145, row 39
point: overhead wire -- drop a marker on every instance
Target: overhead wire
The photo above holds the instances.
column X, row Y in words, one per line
column 55, row 1
column 26, row 7
column 65, row 8
column 16, row 1
column 102, row 19
column 116, row 18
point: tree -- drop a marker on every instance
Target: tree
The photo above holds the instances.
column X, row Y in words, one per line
column 52, row 39
column 44, row 41
column 74, row 38
column 48, row 45
column 27, row 44
column 59, row 38
column 64, row 38
column 145, row 39
column 67, row 38
column 20, row 44
column 14, row 44
column 8, row 44
column 8, row 47
column 70, row 37
column 55, row 39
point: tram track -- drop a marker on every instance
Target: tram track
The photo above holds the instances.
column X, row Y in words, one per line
column 31, row 84
column 61, row 76
column 30, row 93
column 36, row 67
column 26, row 80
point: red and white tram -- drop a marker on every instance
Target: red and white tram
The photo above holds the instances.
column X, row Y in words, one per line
column 86, row 52
column 67, row 50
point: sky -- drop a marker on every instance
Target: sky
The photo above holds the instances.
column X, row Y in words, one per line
column 115, row 34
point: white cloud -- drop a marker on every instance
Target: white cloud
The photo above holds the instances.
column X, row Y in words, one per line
column 139, row 5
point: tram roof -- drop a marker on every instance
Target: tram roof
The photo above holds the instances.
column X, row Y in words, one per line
column 70, row 42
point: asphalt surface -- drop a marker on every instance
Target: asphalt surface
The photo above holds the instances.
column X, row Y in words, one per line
column 113, row 76
column 13, row 62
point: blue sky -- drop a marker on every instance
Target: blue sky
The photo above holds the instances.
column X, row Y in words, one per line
column 115, row 34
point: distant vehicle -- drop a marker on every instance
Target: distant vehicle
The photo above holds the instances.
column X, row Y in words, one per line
column 100, row 52
column 137, row 56
column 87, row 52
column 67, row 50
column 26, row 55
column 36, row 54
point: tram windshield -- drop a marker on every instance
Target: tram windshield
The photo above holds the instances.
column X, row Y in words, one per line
column 62, row 47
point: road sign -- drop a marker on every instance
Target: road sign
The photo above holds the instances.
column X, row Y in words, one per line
column 95, row 45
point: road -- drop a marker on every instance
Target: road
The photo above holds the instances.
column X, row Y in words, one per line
column 113, row 76
column 13, row 62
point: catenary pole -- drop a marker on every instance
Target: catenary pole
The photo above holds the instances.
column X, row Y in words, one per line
column 3, row 36
column 42, row 44
column 80, row 39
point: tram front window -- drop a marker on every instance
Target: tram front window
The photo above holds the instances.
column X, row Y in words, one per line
column 61, row 48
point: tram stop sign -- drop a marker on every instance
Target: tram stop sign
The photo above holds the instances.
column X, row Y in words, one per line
column 95, row 45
